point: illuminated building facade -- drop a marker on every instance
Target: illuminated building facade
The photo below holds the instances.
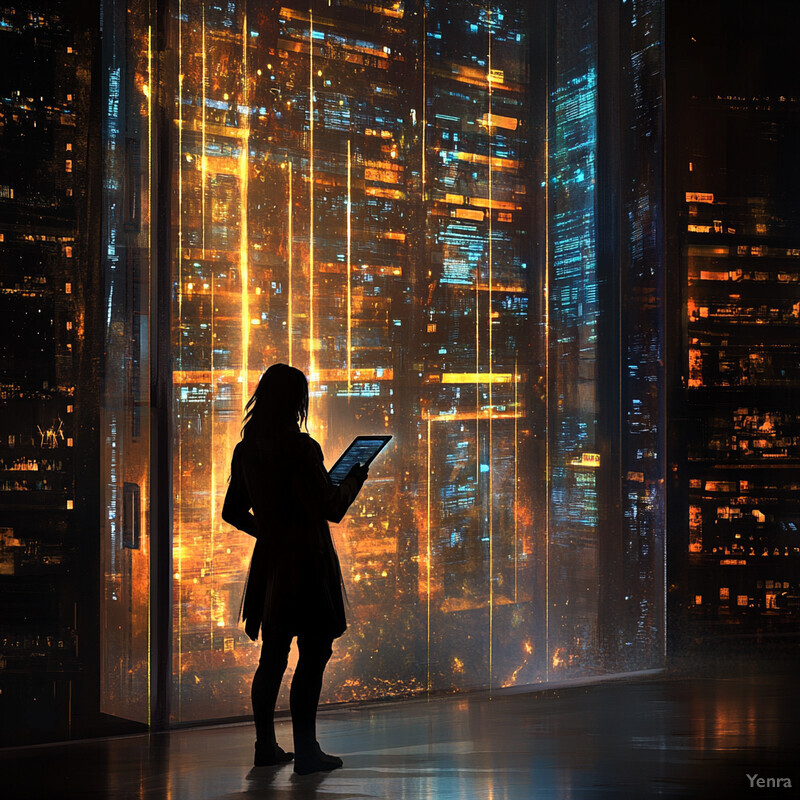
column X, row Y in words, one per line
column 48, row 376
column 476, row 538
column 735, row 258
column 429, row 208
column 604, row 336
column 634, row 605
column 355, row 189
column 739, row 250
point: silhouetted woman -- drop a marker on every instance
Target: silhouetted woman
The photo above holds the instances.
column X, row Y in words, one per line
column 294, row 586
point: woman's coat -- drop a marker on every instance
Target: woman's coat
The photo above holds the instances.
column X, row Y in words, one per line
column 294, row 583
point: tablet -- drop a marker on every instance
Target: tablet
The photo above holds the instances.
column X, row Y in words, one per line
column 362, row 450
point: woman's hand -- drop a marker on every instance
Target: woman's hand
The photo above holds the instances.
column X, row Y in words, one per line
column 359, row 471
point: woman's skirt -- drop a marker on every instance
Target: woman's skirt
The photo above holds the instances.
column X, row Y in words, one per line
column 295, row 591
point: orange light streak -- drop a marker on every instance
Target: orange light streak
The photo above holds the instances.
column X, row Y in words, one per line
column 491, row 382
column 349, row 243
column 516, row 461
column 498, row 287
column 478, row 377
column 311, row 365
column 477, row 371
column 244, row 270
column 428, row 565
column 203, row 134
column 150, row 273
column 200, row 376
column 484, row 413
column 469, row 213
column 498, row 163
column 481, row 202
column 489, row 120
column 363, row 374
column 222, row 165
column 213, row 483
column 290, row 237
column 389, row 194
column 472, row 77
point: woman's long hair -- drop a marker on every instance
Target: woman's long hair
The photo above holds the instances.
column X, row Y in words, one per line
column 280, row 401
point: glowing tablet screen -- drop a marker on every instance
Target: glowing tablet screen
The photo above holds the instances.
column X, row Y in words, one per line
column 362, row 450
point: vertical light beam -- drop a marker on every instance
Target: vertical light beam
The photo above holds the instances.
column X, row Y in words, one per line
column 546, row 300
column 349, row 267
column 290, row 238
column 244, row 266
column 516, row 462
column 311, row 364
column 491, row 407
column 424, row 97
column 213, row 486
column 149, row 275
column 203, row 135
column 428, row 566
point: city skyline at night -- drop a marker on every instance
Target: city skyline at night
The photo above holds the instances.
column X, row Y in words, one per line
column 352, row 190
column 48, row 655
column 427, row 207
column 349, row 148
column 733, row 316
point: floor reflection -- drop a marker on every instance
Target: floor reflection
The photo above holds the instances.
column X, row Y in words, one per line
column 668, row 735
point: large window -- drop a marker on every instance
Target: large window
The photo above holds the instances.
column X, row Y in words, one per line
column 405, row 200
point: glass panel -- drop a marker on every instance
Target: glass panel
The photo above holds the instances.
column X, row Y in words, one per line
column 125, row 416
column 641, row 603
column 605, row 341
column 431, row 209
column 360, row 190
column 477, row 542
column 574, row 314
column 212, row 319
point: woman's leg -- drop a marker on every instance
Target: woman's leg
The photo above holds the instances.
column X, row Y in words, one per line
column 314, row 654
column 266, row 685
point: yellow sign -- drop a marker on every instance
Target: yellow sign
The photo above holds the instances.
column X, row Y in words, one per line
column 586, row 460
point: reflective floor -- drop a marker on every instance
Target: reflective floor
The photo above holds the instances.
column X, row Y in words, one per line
column 671, row 734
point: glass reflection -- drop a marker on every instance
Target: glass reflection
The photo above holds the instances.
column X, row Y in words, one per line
column 360, row 189
column 128, row 91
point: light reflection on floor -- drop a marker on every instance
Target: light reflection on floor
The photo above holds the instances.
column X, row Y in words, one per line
column 664, row 735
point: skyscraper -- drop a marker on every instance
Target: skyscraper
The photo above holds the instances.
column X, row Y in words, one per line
column 604, row 336
column 736, row 248
column 48, row 374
